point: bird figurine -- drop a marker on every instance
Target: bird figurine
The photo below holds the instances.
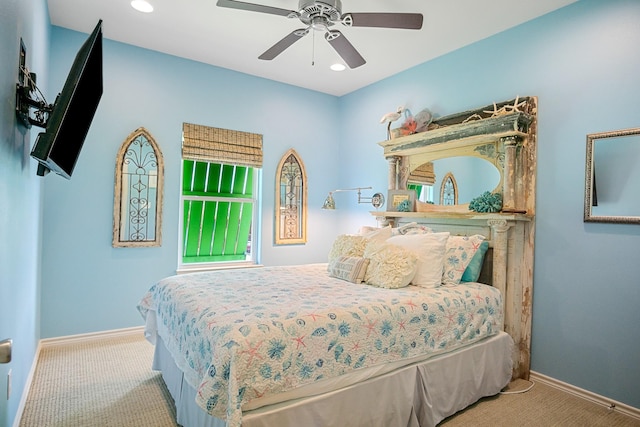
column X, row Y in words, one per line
column 390, row 118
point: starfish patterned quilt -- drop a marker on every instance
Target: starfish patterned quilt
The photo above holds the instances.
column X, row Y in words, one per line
column 239, row 335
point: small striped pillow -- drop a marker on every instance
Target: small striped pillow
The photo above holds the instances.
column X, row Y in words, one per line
column 348, row 268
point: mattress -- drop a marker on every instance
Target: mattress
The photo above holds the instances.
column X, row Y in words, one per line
column 253, row 337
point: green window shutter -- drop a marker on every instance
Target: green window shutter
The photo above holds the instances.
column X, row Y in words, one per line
column 187, row 172
column 417, row 188
column 216, row 230
column 193, row 219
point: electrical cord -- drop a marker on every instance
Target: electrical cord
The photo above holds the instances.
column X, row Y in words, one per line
column 520, row 391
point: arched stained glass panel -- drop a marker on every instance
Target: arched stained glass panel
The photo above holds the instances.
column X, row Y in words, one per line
column 449, row 191
column 291, row 200
column 138, row 192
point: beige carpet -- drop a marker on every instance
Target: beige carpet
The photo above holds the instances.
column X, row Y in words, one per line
column 109, row 382
column 106, row 382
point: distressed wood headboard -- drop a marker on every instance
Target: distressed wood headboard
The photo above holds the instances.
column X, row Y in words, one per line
column 505, row 135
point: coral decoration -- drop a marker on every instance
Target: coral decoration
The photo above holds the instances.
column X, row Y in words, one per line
column 486, row 202
column 409, row 126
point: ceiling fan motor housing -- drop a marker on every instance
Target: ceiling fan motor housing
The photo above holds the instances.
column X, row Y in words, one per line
column 310, row 10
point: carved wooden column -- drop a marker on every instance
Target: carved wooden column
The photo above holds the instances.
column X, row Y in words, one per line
column 403, row 173
column 499, row 229
column 393, row 172
column 509, row 189
column 506, row 271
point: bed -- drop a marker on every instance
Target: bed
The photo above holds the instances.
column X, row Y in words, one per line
column 371, row 338
column 273, row 345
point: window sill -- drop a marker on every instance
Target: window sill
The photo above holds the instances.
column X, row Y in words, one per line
column 185, row 269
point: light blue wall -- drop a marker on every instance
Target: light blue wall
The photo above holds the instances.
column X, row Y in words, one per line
column 583, row 64
column 90, row 286
column 19, row 199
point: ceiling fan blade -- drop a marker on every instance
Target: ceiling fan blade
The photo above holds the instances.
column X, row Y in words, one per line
column 344, row 48
column 287, row 41
column 408, row 21
column 252, row 7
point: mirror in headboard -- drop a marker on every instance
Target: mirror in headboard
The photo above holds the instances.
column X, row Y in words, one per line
column 612, row 159
column 472, row 176
column 502, row 135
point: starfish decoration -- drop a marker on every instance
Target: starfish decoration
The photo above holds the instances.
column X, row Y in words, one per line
column 506, row 109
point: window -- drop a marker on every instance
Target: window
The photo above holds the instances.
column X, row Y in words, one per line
column 424, row 193
column 421, row 180
column 220, row 177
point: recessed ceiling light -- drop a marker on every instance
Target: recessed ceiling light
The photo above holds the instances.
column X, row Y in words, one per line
column 338, row 67
column 142, row 6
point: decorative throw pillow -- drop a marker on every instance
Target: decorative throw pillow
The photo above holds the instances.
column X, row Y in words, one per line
column 347, row 245
column 460, row 251
column 365, row 229
column 348, row 268
column 472, row 272
column 429, row 248
column 390, row 266
column 373, row 233
column 412, row 228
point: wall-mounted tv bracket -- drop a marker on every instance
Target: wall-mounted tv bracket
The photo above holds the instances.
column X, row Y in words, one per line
column 28, row 96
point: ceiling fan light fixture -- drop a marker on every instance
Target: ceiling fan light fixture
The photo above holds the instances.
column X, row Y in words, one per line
column 142, row 6
column 320, row 23
column 338, row 67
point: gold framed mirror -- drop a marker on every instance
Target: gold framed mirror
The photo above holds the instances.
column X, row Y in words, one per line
column 612, row 177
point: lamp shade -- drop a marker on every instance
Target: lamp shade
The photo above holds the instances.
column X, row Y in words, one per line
column 329, row 203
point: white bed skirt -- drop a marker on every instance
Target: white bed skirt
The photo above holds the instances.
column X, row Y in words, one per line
column 418, row 395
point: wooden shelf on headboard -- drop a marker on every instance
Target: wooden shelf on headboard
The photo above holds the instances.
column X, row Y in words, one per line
column 481, row 217
column 458, row 135
column 507, row 140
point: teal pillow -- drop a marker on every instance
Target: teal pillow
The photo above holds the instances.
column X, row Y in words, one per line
column 472, row 272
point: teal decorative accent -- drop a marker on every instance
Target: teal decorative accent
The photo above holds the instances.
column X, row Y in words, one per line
column 404, row 206
column 472, row 272
column 486, row 202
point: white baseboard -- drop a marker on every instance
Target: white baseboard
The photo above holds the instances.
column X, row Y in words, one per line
column 27, row 387
column 48, row 342
column 585, row 394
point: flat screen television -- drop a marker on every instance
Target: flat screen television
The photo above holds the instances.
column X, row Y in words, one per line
column 58, row 147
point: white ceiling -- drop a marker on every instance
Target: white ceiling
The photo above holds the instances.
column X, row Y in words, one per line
column 233, row 39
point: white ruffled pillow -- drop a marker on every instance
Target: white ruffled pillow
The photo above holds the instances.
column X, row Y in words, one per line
column 390, row 266
column 347, row 245
column 430, row 250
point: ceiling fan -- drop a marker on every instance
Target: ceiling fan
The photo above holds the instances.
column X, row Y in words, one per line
column 321, row 16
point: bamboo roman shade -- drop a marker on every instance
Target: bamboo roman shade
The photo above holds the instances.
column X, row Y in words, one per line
column 423, row 174
column 215, row 145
